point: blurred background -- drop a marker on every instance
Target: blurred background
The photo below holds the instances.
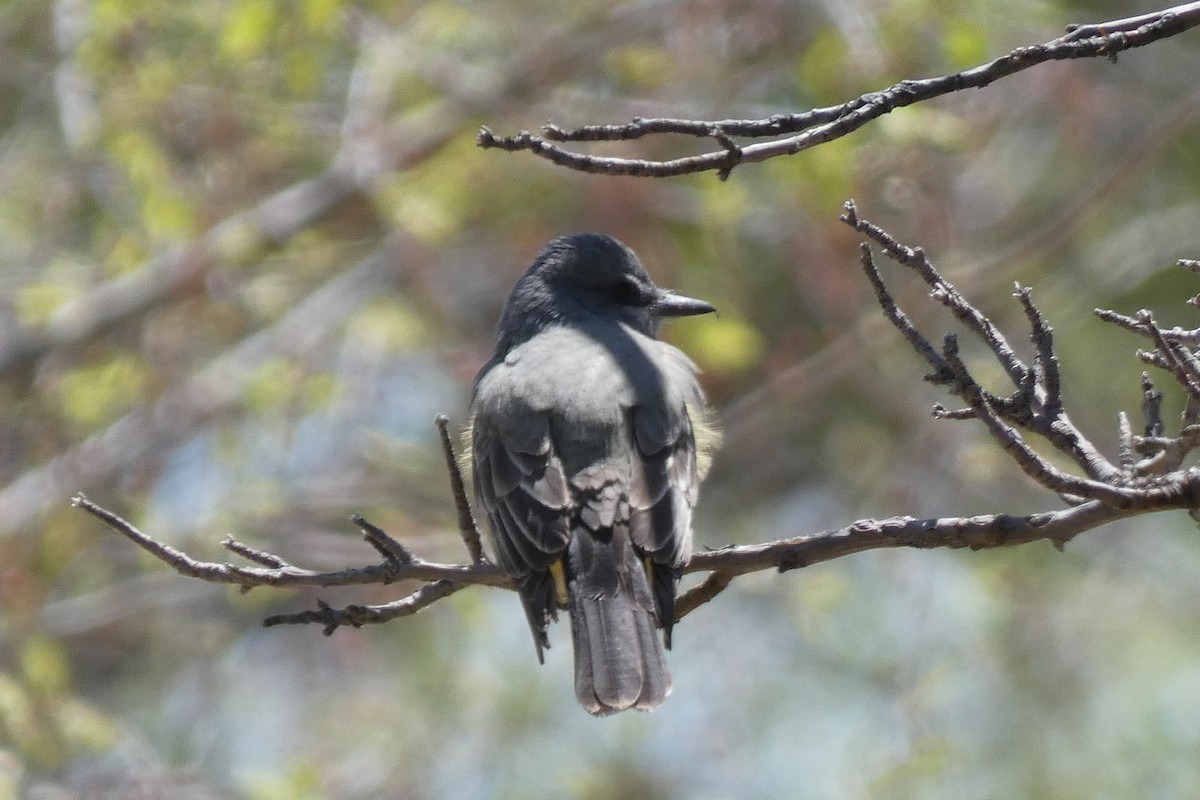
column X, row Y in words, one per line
column 249, row 250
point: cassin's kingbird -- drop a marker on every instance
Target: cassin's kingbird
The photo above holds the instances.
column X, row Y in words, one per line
column 585, row 458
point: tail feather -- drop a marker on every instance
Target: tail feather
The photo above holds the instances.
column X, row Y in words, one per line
column 656, row 678
column 619, row 658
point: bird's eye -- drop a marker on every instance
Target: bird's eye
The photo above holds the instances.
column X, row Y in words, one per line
column 627, row 292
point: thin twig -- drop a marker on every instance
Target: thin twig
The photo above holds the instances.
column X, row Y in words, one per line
column 249, row 553
column 700, row 594
column 1154, row 359
column 944, row 292
column 1180, row 362
column 214, row 572
column 1051, row 419
column 1125, row 444
column 466, row 520
column 1076, row 31
column 1033, row 464
column 941, row 412
column 1191, row 412
column 1151, row 407
column 392, row 551
column 1176, row 334
column 1045, row 363
column 1166, row 454
column 1036, row 405
column 899, row 319
column 331, row 618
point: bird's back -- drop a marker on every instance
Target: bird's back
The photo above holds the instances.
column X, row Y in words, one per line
column 585, row 461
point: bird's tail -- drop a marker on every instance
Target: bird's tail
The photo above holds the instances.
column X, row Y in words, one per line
column 619, row 658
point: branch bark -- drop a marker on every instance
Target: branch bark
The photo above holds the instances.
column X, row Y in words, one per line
column 821, row 125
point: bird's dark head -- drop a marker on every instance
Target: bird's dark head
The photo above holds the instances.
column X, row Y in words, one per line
column 584, row 276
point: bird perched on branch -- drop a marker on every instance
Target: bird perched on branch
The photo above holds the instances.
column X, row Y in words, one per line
column 589, row 440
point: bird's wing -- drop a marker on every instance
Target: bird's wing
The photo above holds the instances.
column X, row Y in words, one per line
column 665, row 484
column 662, row 493
column 520, row 482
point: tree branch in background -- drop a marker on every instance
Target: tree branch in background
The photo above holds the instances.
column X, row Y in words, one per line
column 1149, row 477
column 821, row 125
column 371, row 145
column 204, row 395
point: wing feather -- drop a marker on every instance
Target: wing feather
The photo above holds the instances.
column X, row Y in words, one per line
column 524, row 492
column 662, row 496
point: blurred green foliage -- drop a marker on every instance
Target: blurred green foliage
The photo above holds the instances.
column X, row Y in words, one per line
column 249, row 250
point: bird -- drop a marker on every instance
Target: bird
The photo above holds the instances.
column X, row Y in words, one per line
column 588, row 440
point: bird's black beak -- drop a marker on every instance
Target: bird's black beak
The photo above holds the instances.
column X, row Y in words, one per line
column 669, row 304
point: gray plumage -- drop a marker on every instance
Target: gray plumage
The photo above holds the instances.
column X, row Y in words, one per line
column 584, row 458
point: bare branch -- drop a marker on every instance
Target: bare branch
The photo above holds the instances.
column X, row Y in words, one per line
column 977, row 533
column 1176, row 334
column 287, row 575
column 1105, row 494
column 698, row 595
column 1058, row 481
column 823, row 125
column 724, row 564
column 1154, row 359
column 1077, row 31
column 1036, row 404
column 331, row 618
column 1191, row 412
column 944, row 292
